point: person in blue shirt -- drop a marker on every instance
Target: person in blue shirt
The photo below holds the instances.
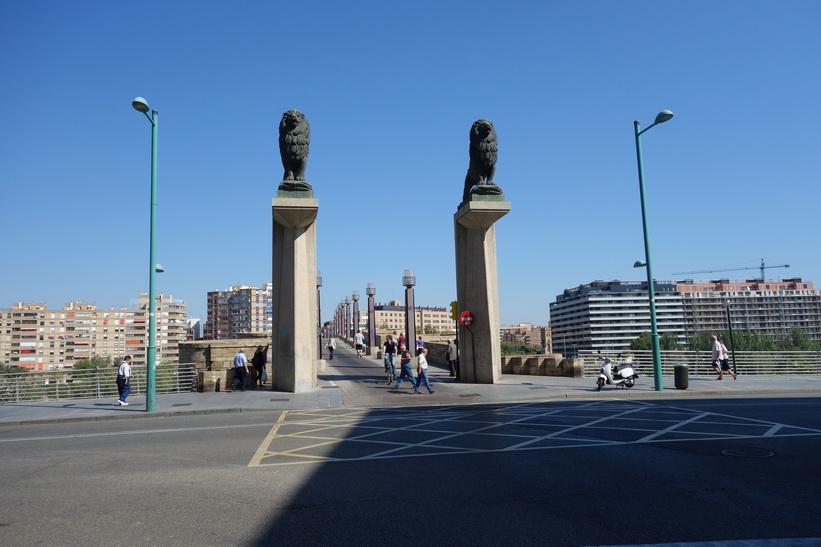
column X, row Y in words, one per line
column 240, row 370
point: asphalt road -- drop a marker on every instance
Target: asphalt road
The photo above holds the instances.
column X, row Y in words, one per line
column 551, row 473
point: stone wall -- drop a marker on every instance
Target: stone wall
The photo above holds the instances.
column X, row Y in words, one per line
column 214, row 360
column 551, row 364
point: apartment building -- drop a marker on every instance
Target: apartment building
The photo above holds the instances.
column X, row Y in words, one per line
column 528, row 333
column 34, row 336
column 608, row 315
column 390, row 317
column 239, row 309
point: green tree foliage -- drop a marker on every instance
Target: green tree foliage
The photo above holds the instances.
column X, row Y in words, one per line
column 95, row 361
column 795, row 340
column 519, row 348
column 667, row 341
column 642, row 342
column 8, row 369
column 429, row 329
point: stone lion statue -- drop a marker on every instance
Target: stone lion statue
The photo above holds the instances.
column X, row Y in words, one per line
column 483, row 153
column 294, row 140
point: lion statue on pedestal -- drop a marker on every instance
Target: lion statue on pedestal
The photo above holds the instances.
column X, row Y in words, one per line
column 484, row 151
column 294, row 141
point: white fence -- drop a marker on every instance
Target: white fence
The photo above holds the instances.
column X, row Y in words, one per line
column 27, row 386
column 700, row 362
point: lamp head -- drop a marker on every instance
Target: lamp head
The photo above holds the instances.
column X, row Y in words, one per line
column 663, row 116
column 140, row 104
column 158, row 268
column 639, row 264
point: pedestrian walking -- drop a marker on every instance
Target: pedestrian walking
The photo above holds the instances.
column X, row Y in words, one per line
column 725, row 360
column 240, row 370
column 422, row 371
column 419, row 345
column 453, row 354
column 124, row 380
column 359, row 340
column 405, row 362
column 402, row 341
column 716, row 357
column 259, row 360
column 390, row 356
column 331, row 347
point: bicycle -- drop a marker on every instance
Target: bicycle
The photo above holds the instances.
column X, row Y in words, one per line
column 390, row 367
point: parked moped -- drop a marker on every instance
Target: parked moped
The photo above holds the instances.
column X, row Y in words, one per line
column 623, row 375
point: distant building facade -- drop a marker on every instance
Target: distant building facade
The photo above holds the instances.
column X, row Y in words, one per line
column 239, row 310
column 609, row 315
column 390, row 318
column 34, row 336
column 529, row 334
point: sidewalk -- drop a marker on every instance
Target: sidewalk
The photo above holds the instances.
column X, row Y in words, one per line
column 334, row 392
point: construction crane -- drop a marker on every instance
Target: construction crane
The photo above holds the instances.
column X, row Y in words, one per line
column 762, row 267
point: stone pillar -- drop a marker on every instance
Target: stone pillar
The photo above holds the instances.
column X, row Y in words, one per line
column 293, row 355
column 477, row 287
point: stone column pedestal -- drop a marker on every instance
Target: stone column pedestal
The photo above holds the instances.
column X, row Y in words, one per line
column 477, row 287
column 294, row 358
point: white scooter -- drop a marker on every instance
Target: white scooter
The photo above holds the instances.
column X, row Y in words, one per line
column 624, row 375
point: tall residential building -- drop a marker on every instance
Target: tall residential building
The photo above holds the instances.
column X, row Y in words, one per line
column 608, row 315
column 240, row 309
column 34, row 336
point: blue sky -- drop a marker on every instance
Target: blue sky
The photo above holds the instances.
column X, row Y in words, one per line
column 390, row 91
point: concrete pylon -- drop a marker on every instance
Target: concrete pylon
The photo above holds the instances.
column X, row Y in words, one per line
column 477, row 288
column 294, row 349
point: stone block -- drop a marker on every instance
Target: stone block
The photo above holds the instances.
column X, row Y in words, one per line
column 208, row 381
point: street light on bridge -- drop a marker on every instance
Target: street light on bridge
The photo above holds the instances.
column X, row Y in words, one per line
column 662, row 117
column 141, row 105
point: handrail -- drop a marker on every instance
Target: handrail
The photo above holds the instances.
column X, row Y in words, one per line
column 55, row 385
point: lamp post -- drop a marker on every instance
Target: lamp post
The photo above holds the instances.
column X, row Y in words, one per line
column 318, row 315
column 662, row 117
column 355, row 322
column 348, row 318
column 409, row 280
column 726, row 305
column 370, row 290
column 141, row 105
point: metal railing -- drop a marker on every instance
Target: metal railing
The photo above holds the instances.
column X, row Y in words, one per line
column 700, row 362
column 55, row 385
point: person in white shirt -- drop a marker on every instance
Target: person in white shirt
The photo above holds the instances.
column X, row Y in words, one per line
column 717, row 358
column 331, row 347
column 124, row 380
column 422, row 371
column 725, row 361
column 359, row 339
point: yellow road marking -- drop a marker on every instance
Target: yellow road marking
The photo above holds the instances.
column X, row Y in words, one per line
column 263, row 448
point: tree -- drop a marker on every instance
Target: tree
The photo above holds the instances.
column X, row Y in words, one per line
column 642, row 342
column 519, row 348
column 95, row 361
column 743, row 340
column 667, row 341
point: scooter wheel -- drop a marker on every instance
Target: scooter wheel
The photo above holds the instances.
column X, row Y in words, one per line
column 599, row 384
column 629, row 382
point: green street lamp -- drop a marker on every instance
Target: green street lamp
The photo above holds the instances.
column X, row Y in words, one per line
column 662, row 117
column 141, row 105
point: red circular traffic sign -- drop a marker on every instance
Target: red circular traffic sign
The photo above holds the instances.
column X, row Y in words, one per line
column 466, row 318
